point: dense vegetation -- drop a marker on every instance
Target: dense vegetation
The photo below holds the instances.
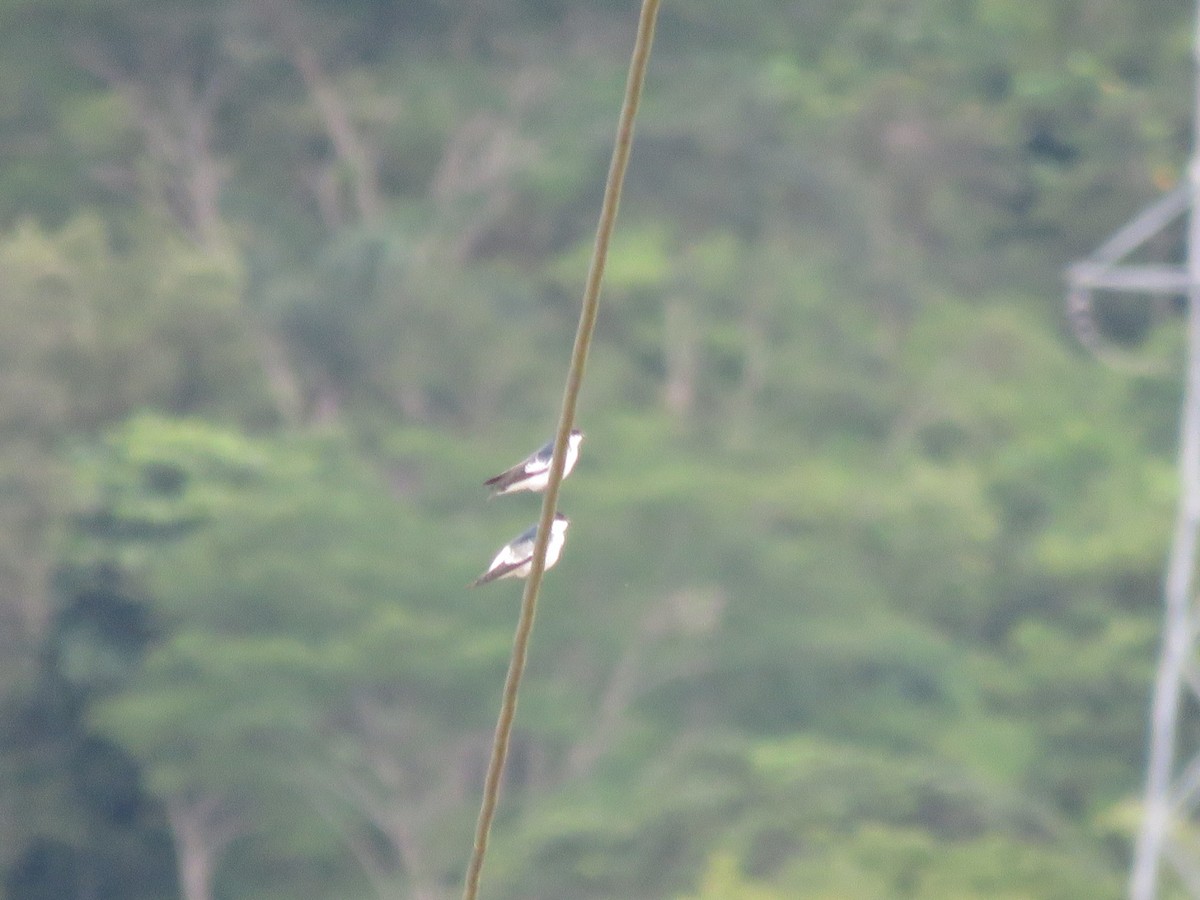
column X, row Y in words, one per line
column 861, row 598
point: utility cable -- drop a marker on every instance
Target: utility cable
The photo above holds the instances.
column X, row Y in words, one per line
column 583, row 340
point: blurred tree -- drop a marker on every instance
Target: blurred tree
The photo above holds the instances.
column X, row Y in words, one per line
column 723, row 881
column 843, row 480
column 319, row 667
column 89, row 333
column 353, row 157
column 76, row 821
column 168, row 64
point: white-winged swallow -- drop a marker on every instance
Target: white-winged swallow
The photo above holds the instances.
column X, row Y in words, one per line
column 533, row 472
column 515, row 559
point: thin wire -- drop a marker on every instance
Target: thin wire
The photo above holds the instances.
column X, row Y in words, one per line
column 583, row 339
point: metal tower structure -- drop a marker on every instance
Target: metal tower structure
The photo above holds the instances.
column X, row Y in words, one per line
column 1172, row 788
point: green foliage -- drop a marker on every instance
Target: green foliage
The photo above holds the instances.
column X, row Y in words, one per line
column 109, row 331
column 322, row 642
column 860, row 597
column 723, row 881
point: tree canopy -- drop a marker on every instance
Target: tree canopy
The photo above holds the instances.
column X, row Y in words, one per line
column 861, row 596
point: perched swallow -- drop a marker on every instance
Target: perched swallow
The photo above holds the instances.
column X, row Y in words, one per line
column 516, row 558
column 533, row 472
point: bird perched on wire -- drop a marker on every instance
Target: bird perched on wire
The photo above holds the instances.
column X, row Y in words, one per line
column 515, row 559
column 533, row 472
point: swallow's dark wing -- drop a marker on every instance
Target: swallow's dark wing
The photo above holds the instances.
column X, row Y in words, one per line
column 506, row 478
column 500, row 571
column 540, row 460
column 512, row 556
column 535, row 463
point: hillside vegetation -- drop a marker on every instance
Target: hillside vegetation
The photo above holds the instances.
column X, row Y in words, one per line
column 861, row 598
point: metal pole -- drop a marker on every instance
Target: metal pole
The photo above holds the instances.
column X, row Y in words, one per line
column 1178, row 629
